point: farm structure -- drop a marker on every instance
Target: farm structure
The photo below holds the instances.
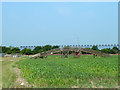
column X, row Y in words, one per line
column 65, row 52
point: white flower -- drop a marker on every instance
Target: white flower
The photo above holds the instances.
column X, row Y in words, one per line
column 22, row 84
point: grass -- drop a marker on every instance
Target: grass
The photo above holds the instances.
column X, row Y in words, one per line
column 8, row 73
column 83, row 72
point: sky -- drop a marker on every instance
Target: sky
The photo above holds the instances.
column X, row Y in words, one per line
column 59, row 23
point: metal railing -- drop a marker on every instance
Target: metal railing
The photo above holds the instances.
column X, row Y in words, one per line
column 84, row 46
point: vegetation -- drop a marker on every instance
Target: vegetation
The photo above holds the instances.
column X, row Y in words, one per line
column 8, row 74
column 82, row 72
column 114, row 50
column 106, row 50
column 95, row 48
column 28, row 52
column 10, row 50
column 39, row 49
column 25, row 51
column 55, row 47
column 15, row 50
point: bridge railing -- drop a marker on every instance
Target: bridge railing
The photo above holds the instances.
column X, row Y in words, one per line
column 82, row 46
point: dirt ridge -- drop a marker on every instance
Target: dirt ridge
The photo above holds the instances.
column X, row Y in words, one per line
column 21, row 82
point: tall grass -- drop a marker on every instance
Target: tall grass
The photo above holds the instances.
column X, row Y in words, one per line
column 8, row 74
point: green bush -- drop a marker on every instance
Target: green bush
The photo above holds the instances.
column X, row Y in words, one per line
column 95, row 48
column 106, row 50
column 37, row 49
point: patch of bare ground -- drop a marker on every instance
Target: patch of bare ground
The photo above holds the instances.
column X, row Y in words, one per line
column 20, row 81
column 100, row 86
column 93, row 85
column 75, row 86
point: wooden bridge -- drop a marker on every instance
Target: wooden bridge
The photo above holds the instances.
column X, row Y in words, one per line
column 65, row 52
column 94, row 52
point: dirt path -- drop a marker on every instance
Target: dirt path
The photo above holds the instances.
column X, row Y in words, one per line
column 20, row 81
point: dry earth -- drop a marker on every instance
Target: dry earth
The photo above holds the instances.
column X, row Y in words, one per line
column 21, row 82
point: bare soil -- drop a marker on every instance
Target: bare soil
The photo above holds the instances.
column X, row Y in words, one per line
column 20, row 81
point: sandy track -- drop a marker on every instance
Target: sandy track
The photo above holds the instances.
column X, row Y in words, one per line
column 20, row 81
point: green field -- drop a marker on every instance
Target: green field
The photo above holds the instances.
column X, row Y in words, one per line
column 83, row 72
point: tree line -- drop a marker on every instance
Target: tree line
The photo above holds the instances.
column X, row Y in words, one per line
column 114, row 50
column 39, row 49
column 27, row 51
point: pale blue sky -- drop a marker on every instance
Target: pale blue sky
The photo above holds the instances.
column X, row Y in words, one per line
column 59, row 23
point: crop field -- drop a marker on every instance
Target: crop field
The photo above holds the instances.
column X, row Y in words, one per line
column 82, row 72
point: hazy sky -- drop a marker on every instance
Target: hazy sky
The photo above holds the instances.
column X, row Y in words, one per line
column 59, row 23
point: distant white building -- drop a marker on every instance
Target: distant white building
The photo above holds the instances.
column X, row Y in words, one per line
column 17, row 55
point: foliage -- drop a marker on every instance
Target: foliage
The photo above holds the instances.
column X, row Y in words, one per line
column 95, row 48
column 82, row 72
column 66, row 47
column 41, row 50
column 106, row 50
column 26, row 51
column 55, row 47
column 6, row 50
column 10, row 50
column 114, row 50
column 70, row 52
column 47, row 47
column 15, row 50
column 23, row 51
column 8, row 73
column 37, row 49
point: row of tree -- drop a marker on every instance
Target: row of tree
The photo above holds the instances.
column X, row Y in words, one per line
column 26, row 51
column 114, row 50
column 39, row 49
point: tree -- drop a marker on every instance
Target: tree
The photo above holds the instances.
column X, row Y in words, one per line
column 28, row 52
column 9, row 52
column 37, row 49
column 23, row 51
column 114, row 50
column 95, row 48
column 55, row 47
column 66, row 47
column 0, row 49
column 106, row 50
column 15, row 50
column 6, row 50
column 88, row 48
column 41, row 50
column 47, row 47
